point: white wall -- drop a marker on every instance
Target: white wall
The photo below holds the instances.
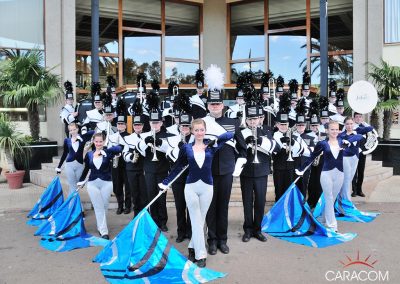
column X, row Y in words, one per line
column 391, row 54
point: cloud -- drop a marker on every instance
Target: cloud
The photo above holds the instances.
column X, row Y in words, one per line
column 274, row 38
column 298, row 39
column 287, row 57
column 170, row 64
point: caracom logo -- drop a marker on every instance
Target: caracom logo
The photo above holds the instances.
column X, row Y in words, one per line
column 357, row 269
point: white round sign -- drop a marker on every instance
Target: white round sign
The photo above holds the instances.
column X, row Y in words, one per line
column 362, row 97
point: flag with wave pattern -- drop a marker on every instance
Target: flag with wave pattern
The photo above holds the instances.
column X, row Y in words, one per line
column 290, row 219
column 142, row 254
column 65, row 229
column 345, row 210
column 47, row 204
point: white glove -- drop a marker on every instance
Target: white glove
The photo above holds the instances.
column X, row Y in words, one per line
column 81, row 183
column 58, row 170
column 298, row 172
column 164, row 187
column 239, row 166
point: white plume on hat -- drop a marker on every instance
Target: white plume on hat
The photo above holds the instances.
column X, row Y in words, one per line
column 214, row 77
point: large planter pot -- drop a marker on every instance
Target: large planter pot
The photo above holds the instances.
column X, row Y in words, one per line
column 41, row 152
column 15, row 179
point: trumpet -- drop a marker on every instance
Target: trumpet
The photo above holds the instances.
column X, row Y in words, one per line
column 254, row 133
column 135, row 156
column 271, row 89
column 289, row 147
column 183, row 138
column 243, row 120
column 141, row 91
column 153, row 146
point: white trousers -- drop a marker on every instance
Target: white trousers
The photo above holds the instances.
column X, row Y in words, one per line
column 99, row 193
column 331, row 183
column 349, row 169
column 198, row 198
column 73, row 171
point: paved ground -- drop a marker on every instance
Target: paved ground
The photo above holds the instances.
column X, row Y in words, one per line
column 276, row 261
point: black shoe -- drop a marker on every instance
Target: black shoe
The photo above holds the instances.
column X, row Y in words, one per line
column 119, row 210
column 188, row 236
column 353, row 194
column 201, row 263
column 164, row 228
column 260, row 236
column 127, row 210
column 191, row 255
column 212, row 249
column 360, row 193
column 179, row 239
column 224, row 248
column 106, row 237
column 246, row 237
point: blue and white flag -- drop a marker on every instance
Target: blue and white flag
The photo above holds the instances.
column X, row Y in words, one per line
column 65, row 229
column 345, row 210
column 49, row 201
column 290, row 219
column 142, row 254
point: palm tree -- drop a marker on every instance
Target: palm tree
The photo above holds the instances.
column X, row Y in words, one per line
column 24, row 81
column 387, row 81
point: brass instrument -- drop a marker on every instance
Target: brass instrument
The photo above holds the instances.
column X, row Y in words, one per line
column 371, row 142
column 315, row 163
column 153, row 146
column 135, row 156
column 116, row 157
column 183, row 138
column 254, row 133
column 271, row 88
column 243, row 120
column 289, row 147
column 141, row 91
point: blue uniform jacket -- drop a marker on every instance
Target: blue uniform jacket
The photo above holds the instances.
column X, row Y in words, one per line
column 186, row 156
column 354, row 148
column 69, row 152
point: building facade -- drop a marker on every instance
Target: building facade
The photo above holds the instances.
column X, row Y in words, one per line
column 172, row 38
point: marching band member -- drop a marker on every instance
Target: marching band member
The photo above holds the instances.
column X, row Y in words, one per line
column 236, row 110
column 118, row 167
column 199, row 184
column 280, row 84
column 156, row 165
column 359, row 174
column 73, row 155
column 135, row 180
column 350, row 155
column 338, row 117
column 174, row 129
column 305, row 90
column 283, row 161
column 293, row 88
column 267, row 102
column 111, row 90
column 314, row 185
column 332, row 97
column 332, row 171
column 223, row 162
column 107, row 126
column 95, row 115
column 168, row 113
column 99, row 184
column 254, row 177
column 306, row 138
column 68, row 112
column 199, row 100
column 323, row 114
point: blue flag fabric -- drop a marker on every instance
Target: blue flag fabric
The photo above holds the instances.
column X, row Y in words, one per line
column 49, row 201
column 290, row 219
column 345, row 210
column 142, row 254
column 65, row 229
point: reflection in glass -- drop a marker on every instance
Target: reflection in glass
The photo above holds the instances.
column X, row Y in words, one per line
column 183, row 72
column 21, row 24
column 257, row 68
column 340, row 68
column 142, row 54
column 182, row 30
column 247, row 30
column 286, row 14
column 287, row 54
column 145, row 14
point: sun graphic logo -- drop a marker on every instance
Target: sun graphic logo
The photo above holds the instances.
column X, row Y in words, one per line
column 356, row 269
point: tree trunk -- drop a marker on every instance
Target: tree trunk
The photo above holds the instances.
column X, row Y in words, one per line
column 10, row 162
column 387, row 124
column 374, row 120
column 34, row 123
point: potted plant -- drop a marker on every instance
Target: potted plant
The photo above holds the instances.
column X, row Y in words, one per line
column 12, row 144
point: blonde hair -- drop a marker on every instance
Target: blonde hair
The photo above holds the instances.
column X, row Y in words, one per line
column 198, row 121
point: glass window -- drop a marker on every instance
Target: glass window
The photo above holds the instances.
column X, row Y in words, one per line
column 340, row 25
column 392, row 21
column 145, row 14
column 142, row 53
column 108, row 26
column 257, row 68
column 183, row 72
column 340, row 68
column 247, row 30
column 287, row 56
column 108, row 66
column 182, row 30
column 286, row 14
column 21, row 23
